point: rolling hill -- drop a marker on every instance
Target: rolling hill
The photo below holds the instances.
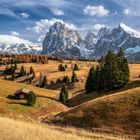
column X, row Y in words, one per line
column 47, row 103
column 15, row 129
column 119, row 112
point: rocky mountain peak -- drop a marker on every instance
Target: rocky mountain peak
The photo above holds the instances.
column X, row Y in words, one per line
column 129, row 30
column 104, row 31
column 61, row 41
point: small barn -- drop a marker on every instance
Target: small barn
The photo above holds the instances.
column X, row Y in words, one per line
column 21, row 93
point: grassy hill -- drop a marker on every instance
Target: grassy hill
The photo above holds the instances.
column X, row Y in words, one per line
column 119, row 112
column 46, row 104
column 15, row 130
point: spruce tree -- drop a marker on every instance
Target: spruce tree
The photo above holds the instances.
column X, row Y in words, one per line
column 112, row 73
column 63, row 94
column 90, row 80
column 76, row 67
column 22, row 71
column 31, row 70
column 66, row 79
column 44, row 82
column 15, row 66
column 110, row 70
column 124, row 72
column 74, row 77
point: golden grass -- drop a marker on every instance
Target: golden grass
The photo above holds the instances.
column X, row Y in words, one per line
column 9, row 87
column 116, row 112
column 45, row 104
column 19, row 130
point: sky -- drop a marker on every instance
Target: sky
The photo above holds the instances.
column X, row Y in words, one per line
column 30, row 19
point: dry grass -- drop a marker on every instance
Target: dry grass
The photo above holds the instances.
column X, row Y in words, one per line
column 118, row 112
column 45, row 104
column 15, row 130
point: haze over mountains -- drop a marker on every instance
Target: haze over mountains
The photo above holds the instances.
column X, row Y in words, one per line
column 65, row 42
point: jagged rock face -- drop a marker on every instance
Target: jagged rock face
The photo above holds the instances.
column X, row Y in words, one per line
column 64, row 42
column 121, row 37
column 104, row 31
column 61, row 41
column 90, row 41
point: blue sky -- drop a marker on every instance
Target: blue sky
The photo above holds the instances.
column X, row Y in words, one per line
column 31, row 19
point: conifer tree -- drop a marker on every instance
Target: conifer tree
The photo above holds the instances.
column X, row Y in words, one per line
column 112, row 73
column 31, row 70
column 90, row 80
column 15, row 66
column 66, row 79
column 74, row 77
column 44, row 82
column 12, row 77
column 5, row 77
column 22, row 71
column 63, row 94
column 76, row 67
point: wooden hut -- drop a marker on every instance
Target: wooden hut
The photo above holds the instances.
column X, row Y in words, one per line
column 21, row 93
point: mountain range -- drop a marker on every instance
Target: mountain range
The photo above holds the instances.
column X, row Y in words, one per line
column 61, row 41
column 65, row 42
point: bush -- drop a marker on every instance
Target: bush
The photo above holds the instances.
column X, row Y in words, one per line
column 76, row 67
column 61, row 67
column 9, row 70
column 31, row 98
column 58, row 80
column 66, row 79
column 52, row 82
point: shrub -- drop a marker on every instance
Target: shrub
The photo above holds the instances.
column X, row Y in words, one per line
column 52, row 82
column 76, row 67
column 31, row 98
column 58, row 80
column 66, row 79
column 61, row 67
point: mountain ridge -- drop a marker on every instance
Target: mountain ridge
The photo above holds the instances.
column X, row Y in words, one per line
column 68, row 43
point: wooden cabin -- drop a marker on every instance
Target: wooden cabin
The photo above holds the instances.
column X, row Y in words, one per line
column 21, row 93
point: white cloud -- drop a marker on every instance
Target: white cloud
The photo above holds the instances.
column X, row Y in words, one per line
column 98, row 26
column 24, row 15
column 98, row 11
column 44, row 24
column 9, row 39
column 40, row 39
column 57, row 12
column 13, row 33
column 127, row 11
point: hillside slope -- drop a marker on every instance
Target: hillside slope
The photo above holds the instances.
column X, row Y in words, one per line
column 46, row 104
column 119, row 112
column 15, row 130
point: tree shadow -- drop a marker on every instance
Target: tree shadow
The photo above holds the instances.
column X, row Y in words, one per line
column 83, row 97
column 42, row 96
column 12, row 102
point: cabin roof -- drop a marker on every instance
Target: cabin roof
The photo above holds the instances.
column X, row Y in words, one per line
column 23, row 90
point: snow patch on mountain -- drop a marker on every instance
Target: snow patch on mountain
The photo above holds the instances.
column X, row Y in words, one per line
column 132, row 50
column 14, row 45
column 129, row 30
